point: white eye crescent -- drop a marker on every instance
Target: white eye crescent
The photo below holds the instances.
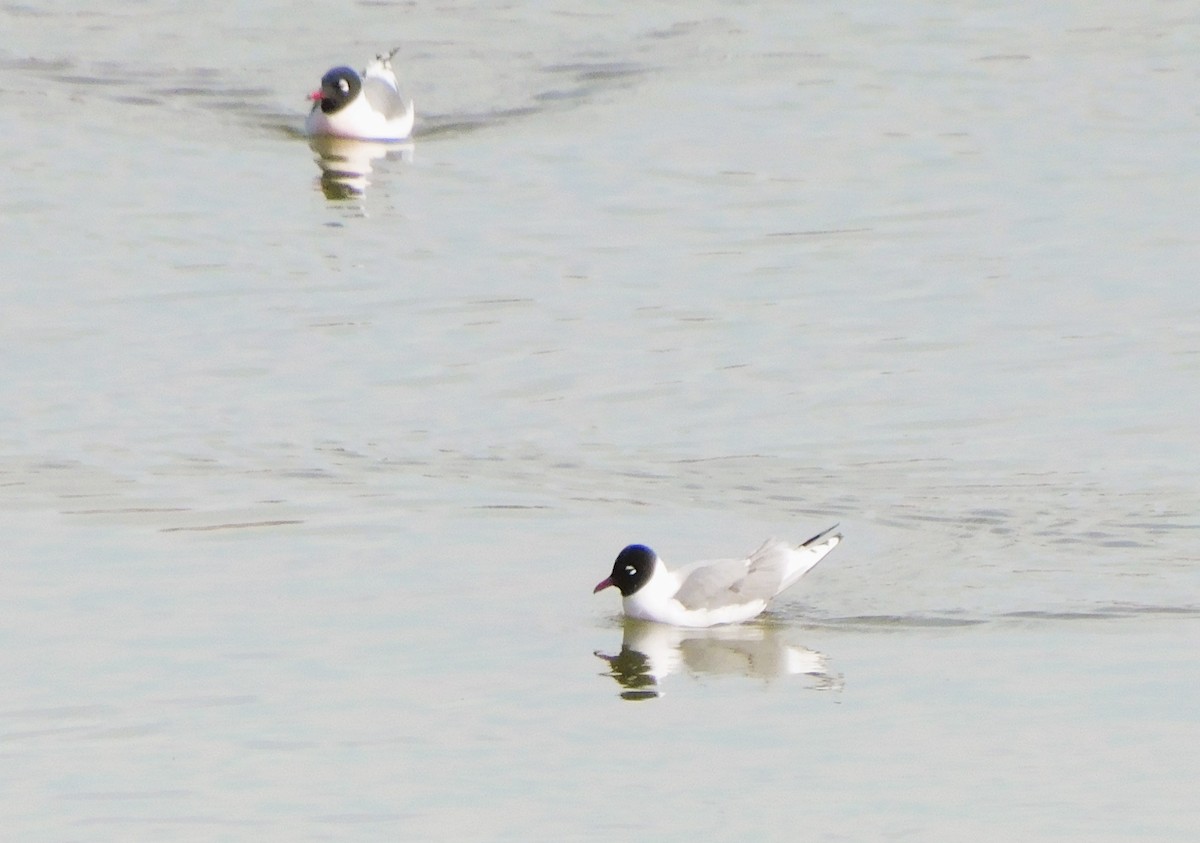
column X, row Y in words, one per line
column 629, row 569
column 343, row 86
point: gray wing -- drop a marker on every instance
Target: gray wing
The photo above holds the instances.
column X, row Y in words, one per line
column 384, row 98
column 733, row 581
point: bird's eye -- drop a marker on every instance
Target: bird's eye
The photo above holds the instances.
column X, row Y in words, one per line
column 630, row 569
column 343, row 86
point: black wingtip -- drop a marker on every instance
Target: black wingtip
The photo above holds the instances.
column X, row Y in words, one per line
column 821, row 535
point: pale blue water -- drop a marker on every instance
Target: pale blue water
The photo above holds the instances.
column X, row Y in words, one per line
column 303, row 498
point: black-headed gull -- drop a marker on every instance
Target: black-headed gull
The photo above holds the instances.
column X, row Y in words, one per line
column 714, row 592
column 366, row 106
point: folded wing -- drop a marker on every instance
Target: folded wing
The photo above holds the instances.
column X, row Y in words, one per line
column 736, row 581
column 384, row 98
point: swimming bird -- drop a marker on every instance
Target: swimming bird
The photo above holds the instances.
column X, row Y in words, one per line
column 366, row 106
column 711, row 593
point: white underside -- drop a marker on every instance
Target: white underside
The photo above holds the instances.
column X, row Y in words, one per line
column 358, row 120
column 662, row 609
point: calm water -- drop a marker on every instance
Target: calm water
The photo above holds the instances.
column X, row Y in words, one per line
column 306, row 479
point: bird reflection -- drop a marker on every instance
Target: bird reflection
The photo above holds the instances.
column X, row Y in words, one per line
column 346, row 163
column 651, row 651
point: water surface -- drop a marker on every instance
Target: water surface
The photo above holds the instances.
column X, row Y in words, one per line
column 304, row 488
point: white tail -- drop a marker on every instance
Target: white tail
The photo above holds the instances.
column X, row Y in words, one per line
column 807, row 555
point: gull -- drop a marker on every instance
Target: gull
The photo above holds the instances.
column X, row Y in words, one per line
column 714, row 592
column 366, row 106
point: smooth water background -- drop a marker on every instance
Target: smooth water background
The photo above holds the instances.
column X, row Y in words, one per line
column 303, row 498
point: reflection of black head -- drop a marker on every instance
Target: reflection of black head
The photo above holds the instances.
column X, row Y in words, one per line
column 338, row 88
column 633, row 568
column 632, row 669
